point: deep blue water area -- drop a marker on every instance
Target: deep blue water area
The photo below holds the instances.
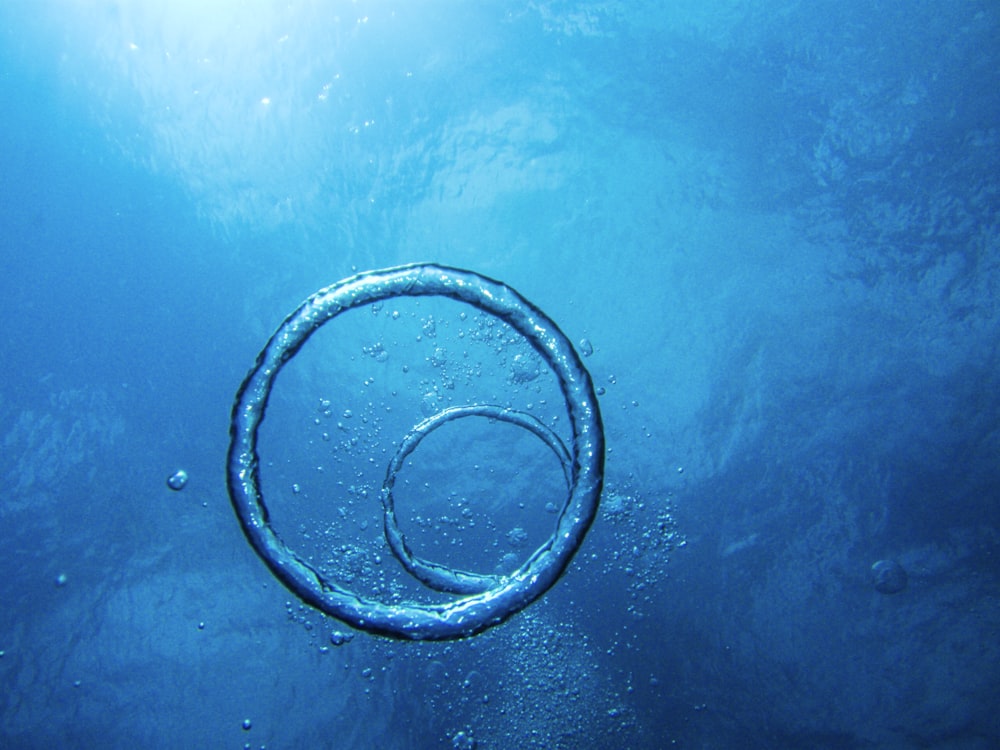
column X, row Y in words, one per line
column 772, row 234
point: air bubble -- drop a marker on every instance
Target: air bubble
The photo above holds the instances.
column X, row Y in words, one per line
column 889, row 577
column 478, row 610
column 517, row 537
column 178, row 480
column 338, row 638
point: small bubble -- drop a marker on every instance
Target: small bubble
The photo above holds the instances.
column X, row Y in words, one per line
column 247, row 724
column 586, row 348
column 296, row 489
column 178, row 480
column 61, row 580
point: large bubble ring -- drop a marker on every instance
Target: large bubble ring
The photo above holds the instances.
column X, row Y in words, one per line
column 480, row 609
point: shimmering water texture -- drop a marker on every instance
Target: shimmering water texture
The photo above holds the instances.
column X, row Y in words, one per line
column 483, row 601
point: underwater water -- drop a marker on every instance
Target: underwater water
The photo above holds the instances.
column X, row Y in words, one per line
column 771, row 232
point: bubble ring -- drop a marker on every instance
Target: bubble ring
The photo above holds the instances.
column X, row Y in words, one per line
column 469, row 614
column 433, row 575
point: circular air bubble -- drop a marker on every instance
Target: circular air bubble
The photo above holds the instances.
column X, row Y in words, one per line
column 474, row 612
column 178, row 480
column 889, row 577
column 441, row 577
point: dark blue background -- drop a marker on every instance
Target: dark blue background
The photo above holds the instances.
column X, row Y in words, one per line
column 779, row 228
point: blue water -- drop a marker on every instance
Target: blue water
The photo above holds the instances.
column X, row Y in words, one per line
column 779, row 230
